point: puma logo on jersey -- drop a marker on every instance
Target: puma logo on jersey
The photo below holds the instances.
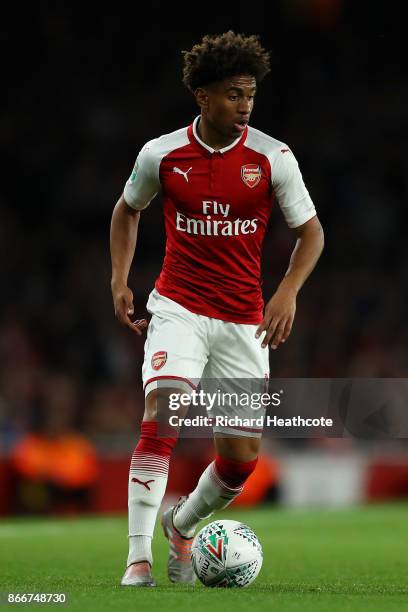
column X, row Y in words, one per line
column 145, row 484
column 178, row 171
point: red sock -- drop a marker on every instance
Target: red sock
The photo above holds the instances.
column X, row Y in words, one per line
column 153, row 453
column 234, row 473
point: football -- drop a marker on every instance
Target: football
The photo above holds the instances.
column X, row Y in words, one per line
column 226, row 554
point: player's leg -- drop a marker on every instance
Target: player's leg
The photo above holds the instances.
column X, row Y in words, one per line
column 236, row 355
column 148, row 475
column 220, row 483
column 175, row 356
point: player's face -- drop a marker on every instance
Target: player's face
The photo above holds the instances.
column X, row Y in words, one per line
column 229, row 105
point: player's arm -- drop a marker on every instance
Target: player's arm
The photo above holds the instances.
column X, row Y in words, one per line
column 280, row 310
column 123, row 236
column 300, row 214
column 140, row 189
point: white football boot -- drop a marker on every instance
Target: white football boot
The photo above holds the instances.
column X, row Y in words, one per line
column 138, row 575
column 179, row 566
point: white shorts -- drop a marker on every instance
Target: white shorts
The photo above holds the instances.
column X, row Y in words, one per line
column 183, row 347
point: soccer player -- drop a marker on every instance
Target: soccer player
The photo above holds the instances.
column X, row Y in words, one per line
column 219, row 178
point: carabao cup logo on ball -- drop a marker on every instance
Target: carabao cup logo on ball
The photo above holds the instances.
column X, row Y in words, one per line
column 226, row 554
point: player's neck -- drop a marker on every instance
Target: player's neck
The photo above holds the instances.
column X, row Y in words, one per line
column 211, row 136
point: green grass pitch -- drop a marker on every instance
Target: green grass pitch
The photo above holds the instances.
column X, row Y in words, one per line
column 313, row 560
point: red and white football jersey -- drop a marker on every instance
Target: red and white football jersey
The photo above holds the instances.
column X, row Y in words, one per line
column 216, row 206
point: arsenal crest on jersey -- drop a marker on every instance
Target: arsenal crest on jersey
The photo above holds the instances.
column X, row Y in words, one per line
column 159, row 359
column 251, row 174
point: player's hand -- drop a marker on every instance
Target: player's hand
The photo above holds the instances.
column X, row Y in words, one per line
column 278, row 318
column 123, row 304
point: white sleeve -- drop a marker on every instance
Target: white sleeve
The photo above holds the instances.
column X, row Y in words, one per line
column 143, row 184
column 290, row 190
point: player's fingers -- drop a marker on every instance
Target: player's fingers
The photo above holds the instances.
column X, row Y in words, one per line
column 270, row 332
column 263, row 326
column 288, row 329
column 122, row 314
column 134, row 327
column 277, row 339
column 140, row 323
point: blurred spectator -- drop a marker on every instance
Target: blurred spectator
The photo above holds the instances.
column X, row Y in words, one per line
column 54, row 466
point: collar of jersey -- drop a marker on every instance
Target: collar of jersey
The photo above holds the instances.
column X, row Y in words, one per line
column 210, row 149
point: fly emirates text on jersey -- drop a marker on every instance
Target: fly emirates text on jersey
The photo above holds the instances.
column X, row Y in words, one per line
column 215, row 227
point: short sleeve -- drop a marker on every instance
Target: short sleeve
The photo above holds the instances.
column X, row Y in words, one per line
column 143, row 184
column 287, row 182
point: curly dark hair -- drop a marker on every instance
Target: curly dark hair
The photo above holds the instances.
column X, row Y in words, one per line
column 221, row 56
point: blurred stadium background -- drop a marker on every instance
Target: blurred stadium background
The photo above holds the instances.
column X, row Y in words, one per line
column 85, row 90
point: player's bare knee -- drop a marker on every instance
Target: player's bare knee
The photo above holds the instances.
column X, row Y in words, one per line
column 238, row 449
column 156, row 403
column 150, row 411
column 159, row 404
column 249, row 449
column 254, row 445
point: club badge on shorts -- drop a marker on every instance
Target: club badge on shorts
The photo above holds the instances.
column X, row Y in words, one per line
column 251, row 174
column 159, row 359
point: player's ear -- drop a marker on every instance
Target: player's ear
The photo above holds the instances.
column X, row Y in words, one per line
column 201, row 97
